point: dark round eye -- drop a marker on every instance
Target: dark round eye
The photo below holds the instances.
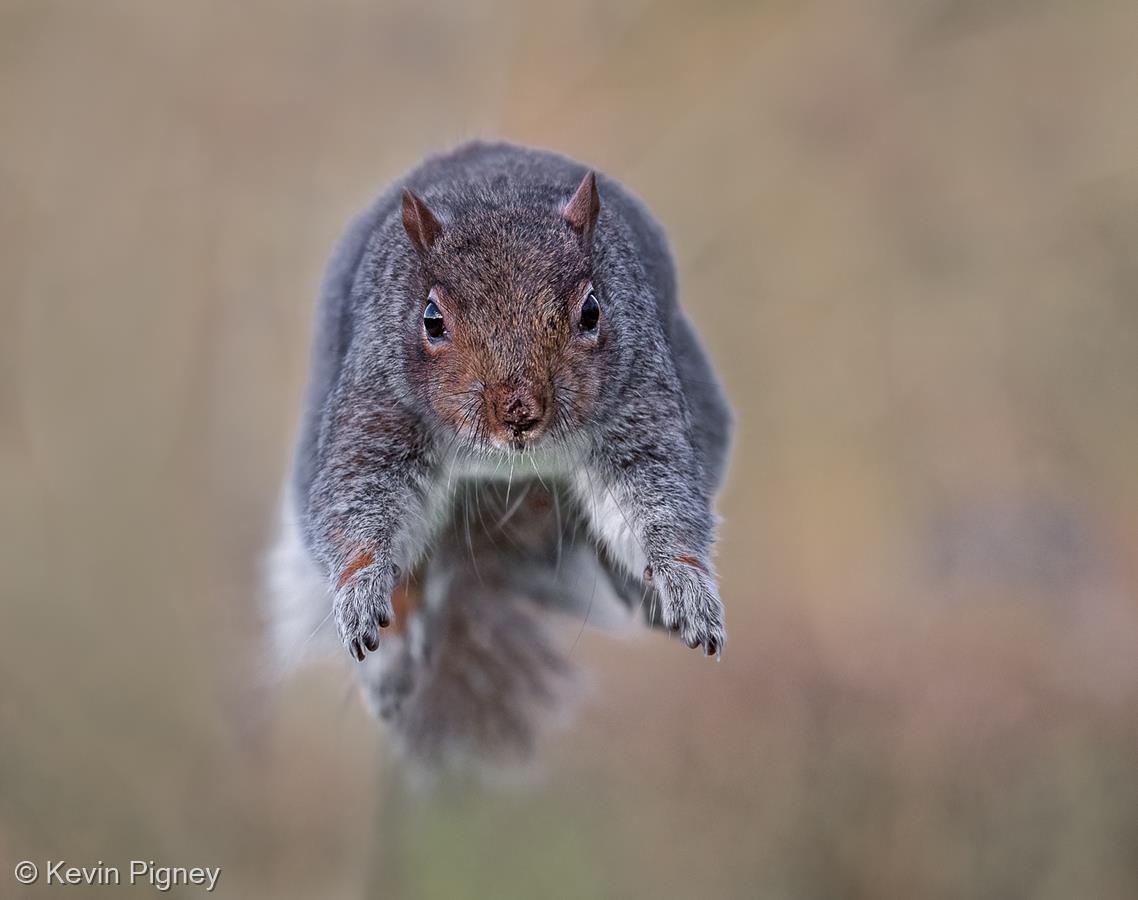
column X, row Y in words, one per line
column 590, row 312
column 433, row 322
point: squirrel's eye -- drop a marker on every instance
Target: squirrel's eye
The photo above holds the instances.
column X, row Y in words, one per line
column 590, row 312
column 433, row 322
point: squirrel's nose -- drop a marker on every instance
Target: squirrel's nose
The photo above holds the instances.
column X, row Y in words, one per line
column 522, row 414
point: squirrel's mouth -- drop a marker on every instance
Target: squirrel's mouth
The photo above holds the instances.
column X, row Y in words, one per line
column 505, row 420
column 489, row 436
column 520, row 423
column 511, row 441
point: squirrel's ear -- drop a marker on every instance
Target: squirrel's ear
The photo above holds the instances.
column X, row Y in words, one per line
column 583, row 208
column 420, row 223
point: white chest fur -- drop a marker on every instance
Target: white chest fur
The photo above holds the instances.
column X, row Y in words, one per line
column 501, row 465
column 606, row 513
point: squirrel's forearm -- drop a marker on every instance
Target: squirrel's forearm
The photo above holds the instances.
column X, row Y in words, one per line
column 655, row 519
column 644, row 493
column 668, row 511
column 351, row 514
column 368, row 485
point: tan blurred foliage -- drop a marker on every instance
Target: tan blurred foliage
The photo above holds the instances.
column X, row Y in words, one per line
column 908, row 232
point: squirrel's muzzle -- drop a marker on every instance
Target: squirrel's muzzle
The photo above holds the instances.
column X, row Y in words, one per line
column 517, row 414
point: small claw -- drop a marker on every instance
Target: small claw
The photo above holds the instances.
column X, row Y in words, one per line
column 693, row 643
column 712, row 647
column 371, row 640
column 384, row 620
column 355, row 650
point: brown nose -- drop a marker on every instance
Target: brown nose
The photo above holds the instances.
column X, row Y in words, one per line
column 520, row 410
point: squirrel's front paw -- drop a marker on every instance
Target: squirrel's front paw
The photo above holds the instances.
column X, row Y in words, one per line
column 690, row 602
column 362, row 606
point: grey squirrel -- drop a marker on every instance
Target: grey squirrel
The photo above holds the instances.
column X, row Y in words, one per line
column 508, row 416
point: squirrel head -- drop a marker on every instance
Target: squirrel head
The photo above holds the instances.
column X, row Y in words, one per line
column 509, row 334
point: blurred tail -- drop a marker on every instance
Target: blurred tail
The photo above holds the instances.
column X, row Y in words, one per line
column 476, row 666
column 481, row 670
column 477, row 677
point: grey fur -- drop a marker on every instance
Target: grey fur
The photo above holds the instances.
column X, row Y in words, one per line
column 625, row 479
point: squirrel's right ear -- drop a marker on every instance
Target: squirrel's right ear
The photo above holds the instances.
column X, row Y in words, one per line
column 583, row 208
column 419, row 222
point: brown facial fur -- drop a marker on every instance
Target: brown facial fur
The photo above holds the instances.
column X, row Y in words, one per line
column 514, row 366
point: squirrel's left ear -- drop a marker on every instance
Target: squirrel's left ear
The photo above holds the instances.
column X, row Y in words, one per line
column 419, row 222
column 583, row 208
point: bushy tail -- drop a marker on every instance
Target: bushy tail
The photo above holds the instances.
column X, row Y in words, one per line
column 482, row 669
column 478, row 677
column 476, row 666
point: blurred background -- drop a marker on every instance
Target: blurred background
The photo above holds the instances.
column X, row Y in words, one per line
column 908, row 232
